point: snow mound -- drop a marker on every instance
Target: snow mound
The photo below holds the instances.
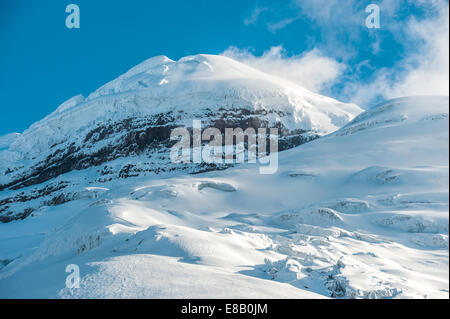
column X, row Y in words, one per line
column 413, row 224
column 399, row 111
column 319, row 216
column 224, row 187
column 301, row 173
column 351, row 206
column 431, row 240
column 155, row 192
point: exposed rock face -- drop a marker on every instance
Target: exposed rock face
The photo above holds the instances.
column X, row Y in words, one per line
column 130, row 138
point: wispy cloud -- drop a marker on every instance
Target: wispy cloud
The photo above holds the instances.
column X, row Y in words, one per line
column 253, row 18
column 423, row 71
column 427, row 71
column 311, row 69
column 274, row 26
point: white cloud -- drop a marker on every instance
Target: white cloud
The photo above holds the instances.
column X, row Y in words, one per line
column 311, row 69
column 253, row 18
column 275, row 26
column 424, row 71
column 423, row 41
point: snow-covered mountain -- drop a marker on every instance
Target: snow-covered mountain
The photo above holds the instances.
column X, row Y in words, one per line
column 123, row 129
column 361, row 212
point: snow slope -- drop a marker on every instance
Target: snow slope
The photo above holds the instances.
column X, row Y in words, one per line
column 360, row 213
column 7, row 140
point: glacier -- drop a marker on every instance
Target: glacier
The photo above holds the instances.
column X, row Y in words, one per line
column 358, row 211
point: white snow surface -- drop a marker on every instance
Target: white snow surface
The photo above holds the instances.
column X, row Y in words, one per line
column 7, row 140
column 360, row 213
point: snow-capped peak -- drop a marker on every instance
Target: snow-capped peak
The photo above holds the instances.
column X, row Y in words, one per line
column 185, row 73
column 193, row 85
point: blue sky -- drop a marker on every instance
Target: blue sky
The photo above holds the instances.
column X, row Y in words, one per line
column 323, row 45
